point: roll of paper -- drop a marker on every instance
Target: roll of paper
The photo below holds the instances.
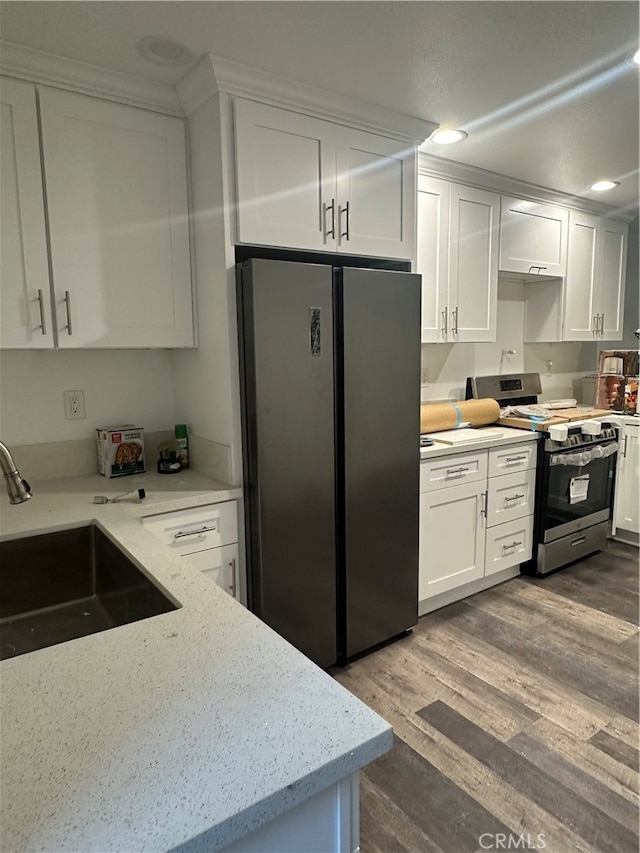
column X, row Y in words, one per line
column 441, row 416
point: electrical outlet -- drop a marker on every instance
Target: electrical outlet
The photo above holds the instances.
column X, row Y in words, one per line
column 73, row 405
column 424, row 376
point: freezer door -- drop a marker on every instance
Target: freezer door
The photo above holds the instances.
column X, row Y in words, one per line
column 288, row 421
column 380, row 387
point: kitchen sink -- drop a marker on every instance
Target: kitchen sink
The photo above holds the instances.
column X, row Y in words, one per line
column 56, row 587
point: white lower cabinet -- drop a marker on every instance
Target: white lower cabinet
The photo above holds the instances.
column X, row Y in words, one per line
column 626, row 521
column 477, row 529
column 452, row 535
column 206, row 537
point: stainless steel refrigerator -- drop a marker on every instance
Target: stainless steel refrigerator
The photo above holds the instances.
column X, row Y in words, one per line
column 330, row 390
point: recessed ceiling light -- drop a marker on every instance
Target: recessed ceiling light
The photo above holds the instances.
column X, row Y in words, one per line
column 164, row 50
column 447, row 137
column 603, row 186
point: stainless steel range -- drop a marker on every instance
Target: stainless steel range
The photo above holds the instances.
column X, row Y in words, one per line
column 575, row 474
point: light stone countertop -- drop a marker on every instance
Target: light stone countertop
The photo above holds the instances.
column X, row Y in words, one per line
column 503, row 435
column 193, row 727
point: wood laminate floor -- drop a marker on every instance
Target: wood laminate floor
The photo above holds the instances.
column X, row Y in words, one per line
column 515, row 715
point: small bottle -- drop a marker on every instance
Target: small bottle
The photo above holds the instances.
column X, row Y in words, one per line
column 183, row 443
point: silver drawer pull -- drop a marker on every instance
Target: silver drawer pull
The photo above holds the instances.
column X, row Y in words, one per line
column 516, row 458
column 182, row 533
column 511, row 546
column 67, row 301
column 455, row 472
column 578, row 541
column 513, row 498
column 232, row 585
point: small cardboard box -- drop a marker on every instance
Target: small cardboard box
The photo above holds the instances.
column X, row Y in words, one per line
column 120, row 450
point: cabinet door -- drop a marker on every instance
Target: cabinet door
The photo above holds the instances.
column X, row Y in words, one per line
column 286, row 178
column 376, row 194
column 626, row 514
column 24, row 273
column 452, row 535
column 581, row 303
column 219, row 565
column 433, row 256
column 533, row 235
column 117, row 201
column 612, row 274
column 473, row 264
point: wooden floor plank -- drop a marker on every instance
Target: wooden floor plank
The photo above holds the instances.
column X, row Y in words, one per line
column 450, row 817
column 546, row 696
column 588, row 821
column 616, row 748
column 570, row 665
column 385, row 827
column 537, row 598
column 539, row 732
column 505, row 802
column 599, row 795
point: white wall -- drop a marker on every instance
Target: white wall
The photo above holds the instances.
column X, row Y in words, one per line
column 120, row 386
column 448, row 365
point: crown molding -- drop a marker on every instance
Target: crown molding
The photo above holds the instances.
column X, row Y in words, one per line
column 45, row 68
column 449, row 170
column 215, row 75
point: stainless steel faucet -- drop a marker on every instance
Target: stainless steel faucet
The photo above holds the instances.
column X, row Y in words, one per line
column 19, row 490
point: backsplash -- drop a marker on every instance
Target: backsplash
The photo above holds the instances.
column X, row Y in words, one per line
column 448, row 365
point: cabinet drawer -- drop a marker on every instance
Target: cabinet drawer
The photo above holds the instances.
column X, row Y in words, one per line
column 510, row 496
column 191, row 530
column 508, row 545
column 513, row 457
column 452, row 470
column 219, row 565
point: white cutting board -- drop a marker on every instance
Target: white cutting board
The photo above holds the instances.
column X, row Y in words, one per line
column 464, row 435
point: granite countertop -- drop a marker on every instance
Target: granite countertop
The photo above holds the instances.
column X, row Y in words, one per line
column 191, row 728
column 499, row 435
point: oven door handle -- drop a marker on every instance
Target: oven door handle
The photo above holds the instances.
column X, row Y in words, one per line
column 582, row 458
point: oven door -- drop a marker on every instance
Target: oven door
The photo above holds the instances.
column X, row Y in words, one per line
column 577, row 487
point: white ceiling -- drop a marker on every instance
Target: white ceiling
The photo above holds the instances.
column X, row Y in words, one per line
column 544, row 89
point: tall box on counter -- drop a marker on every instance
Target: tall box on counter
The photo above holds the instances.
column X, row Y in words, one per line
column 120, row 450
column 617, row 380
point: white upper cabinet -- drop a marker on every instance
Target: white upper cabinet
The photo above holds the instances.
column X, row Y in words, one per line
column 594, row 288
column 533, row 237
column 116, row 189
column 25, row 303
column 311, row 184
column 457, row 254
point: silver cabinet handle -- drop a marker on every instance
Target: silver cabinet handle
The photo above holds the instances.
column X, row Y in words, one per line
column 511, row 546
column 602, row 325
column 182, row 533
column 513, row 498
column 43, row 320
column 454, row 321
column 67, row 301
column 578, row 541
column 536, row 267
column 445, row 314
column 455, row 472
column 624, row 449
column 596, row 324
column 332, row 208
column 232, row 586
column 345, row 210
column 483, row 506
column 511, row 459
